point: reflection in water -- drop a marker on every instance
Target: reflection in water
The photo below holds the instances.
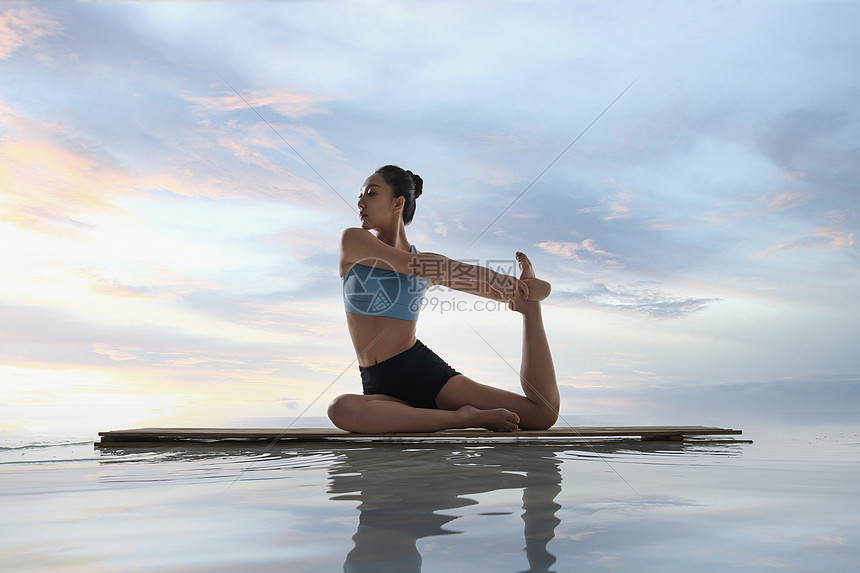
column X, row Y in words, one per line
column 400, row 492
column 407, row 492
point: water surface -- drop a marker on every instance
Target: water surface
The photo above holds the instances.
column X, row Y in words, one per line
column 788, row 501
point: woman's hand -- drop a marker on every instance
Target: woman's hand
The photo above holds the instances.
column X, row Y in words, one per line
column 510, row 287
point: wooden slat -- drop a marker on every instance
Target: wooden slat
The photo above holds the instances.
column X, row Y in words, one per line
column 302, row 435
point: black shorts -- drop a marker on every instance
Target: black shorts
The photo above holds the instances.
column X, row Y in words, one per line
column 415, row 376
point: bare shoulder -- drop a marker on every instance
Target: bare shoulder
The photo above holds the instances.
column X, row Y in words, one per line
column 356, row 242
column 351, row 234
column 355, row 231
column 360, row 245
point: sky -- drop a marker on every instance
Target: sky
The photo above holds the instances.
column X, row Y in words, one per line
column 174, row 179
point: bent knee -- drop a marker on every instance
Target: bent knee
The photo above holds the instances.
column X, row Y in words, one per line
column 543, row 420
column 343, row 411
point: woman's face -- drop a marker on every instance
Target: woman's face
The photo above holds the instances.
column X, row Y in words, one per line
column 376, row 203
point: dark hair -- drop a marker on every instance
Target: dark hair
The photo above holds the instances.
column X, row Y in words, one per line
column 404, row 184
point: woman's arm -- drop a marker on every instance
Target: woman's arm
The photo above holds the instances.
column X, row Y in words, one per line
column 476, row 288
column 361, row 246
column 466, row 277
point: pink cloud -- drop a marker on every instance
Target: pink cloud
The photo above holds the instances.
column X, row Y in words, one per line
column 823, row 239
column 785, row 201
column 573, row 250
column 284, row 101
column 22, row 27
column 55, row 185
column 620, row 208
column 47, row 187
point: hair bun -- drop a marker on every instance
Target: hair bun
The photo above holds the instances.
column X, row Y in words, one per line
column 419, row 184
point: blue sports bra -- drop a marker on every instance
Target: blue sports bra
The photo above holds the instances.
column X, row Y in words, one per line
column 374, row 291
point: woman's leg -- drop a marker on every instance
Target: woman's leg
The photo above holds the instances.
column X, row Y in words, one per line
column 378, row 413
column 538, row 409
column 537, row 371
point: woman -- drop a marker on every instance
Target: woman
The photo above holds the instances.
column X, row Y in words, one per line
column 408, row 388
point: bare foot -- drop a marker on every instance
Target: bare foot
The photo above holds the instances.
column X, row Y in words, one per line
column 538, row 289
column 527, row 271
column 496, row 420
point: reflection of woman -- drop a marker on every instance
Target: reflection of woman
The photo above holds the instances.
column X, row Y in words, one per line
column 407, row 387
column 425, row 492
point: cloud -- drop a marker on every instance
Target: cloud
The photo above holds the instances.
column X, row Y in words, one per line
column 52, row 181
column 22, row 26
column 171, row 347
column 638, row 299
column 813, row 400
column 55, row 180
column 116, row 353
column 620, row 207
column 575, row 250
column 169, row 289
column 794, row 139
column 823, row 239
column 786, row 200
column 285, row 101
